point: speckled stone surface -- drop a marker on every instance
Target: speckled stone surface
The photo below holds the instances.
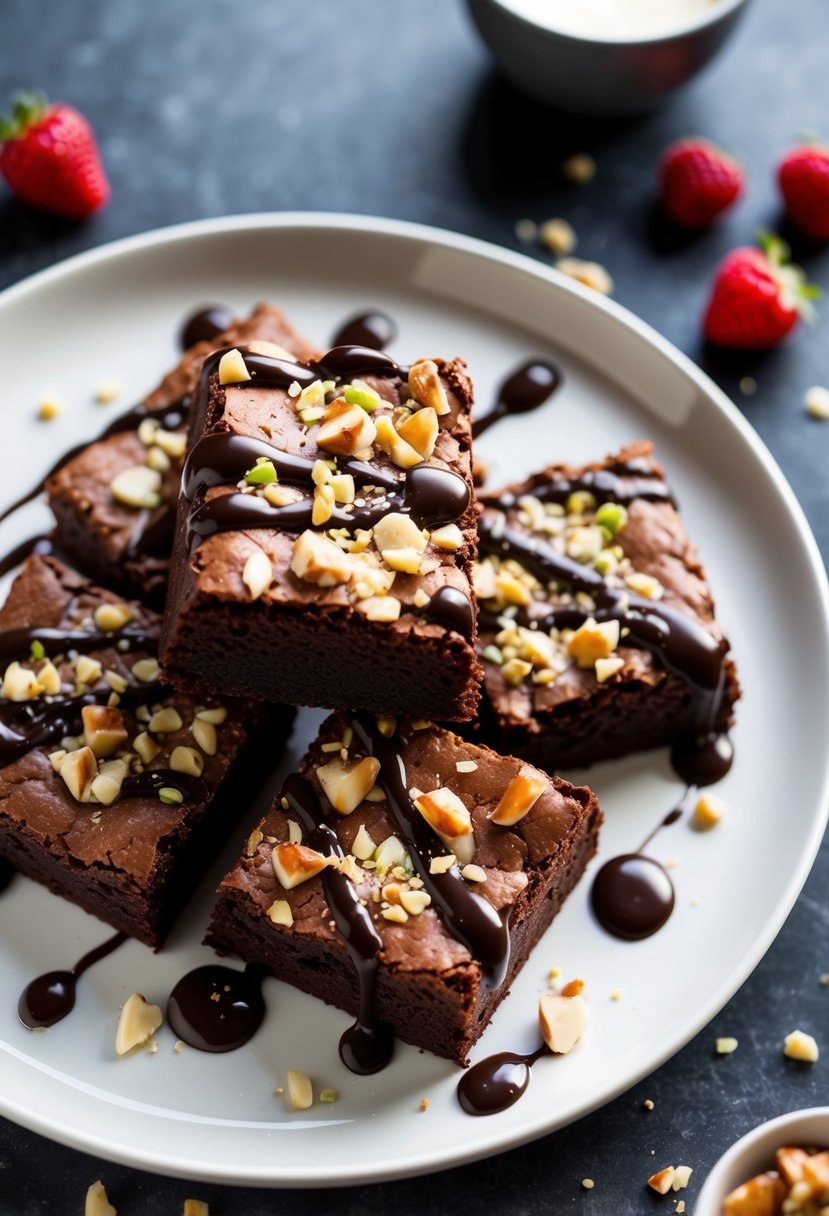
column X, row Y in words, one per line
column 358, row 105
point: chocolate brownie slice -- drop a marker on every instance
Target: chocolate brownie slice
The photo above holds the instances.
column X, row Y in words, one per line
column 116, row 525
column 597, row 624
column 442, row 861
column 109, row 782
column 326, row 534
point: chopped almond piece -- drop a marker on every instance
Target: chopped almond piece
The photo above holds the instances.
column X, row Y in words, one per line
column 519, row 798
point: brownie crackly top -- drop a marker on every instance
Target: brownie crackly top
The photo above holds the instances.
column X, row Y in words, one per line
column 456, row 789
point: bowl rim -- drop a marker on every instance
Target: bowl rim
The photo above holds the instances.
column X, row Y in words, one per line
column 720, row 9
column 710, row 1197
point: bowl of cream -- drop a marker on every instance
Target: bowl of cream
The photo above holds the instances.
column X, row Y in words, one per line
column 605, row 57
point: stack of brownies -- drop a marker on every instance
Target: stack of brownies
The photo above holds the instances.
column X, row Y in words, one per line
column 312, row 521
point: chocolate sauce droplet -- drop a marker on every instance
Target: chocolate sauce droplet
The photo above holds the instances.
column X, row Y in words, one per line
column 205, row 325
column 7, row 873
column 50, row 997
column 703, row 761
column 525, row 389
column 435, row 496
column 343, row 362
column 496, row 1083
column 451, row 609
column 632, row 896
column 373, row 329
column 217, row 1008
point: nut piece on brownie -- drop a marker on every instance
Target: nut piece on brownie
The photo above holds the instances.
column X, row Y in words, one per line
column 108, row 782
column 351, row 477
column 449, row 936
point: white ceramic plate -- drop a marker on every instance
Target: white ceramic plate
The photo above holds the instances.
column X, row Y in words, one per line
column 115, row 312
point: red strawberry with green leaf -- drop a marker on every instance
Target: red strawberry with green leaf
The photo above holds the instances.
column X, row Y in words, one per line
column 50, row 158
column 758, row 298
column 804, row 182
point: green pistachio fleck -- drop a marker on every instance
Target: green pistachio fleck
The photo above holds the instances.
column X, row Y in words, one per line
column 493, row 654
column 606, row 562
column 37, row 650
column 310, row 416
column 328, row 1095
column 170, row 795
column 611, row 515
column 360, row 394
column 580, row 501
column 263, row 473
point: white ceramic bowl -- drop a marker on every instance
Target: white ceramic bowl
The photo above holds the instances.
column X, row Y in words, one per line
column 755, row 1153
column 596, row 75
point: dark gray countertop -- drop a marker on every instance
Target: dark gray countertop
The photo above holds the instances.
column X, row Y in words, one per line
column 393, row 109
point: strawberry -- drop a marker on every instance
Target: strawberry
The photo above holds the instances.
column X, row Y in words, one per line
column 697, row 181
column 50, row 158
column 758, row 297
column 804, row 181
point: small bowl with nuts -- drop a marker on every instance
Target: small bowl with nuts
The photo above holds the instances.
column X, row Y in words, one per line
column 781, row 1167
column 602, row 56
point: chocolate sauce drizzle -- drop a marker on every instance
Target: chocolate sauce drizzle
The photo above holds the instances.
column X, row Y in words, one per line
column 626, row 481
column 49, row 998
column 525, row 389
column 205, row 325
column 217, row 1008
column 374, row 329
column 367, row 1046
column 469, row 917
column 40, row 545
column 497, row 1082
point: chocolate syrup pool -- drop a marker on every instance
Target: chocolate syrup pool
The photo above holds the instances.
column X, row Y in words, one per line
column 497, row 1082
column 49, row 998
column 217, row 1008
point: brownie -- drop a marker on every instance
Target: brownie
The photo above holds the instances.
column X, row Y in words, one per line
column 127, row 546
column 326, row 535
column 602, row 545
column 124, row 832
column 431, row 986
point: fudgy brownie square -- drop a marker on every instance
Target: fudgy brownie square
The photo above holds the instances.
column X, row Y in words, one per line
column 114, row 501
column 597, row 626
column 326, row 534
column 457, row 858
column 110, row 785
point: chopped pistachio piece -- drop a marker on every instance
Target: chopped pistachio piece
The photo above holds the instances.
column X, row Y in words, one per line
column 611, row 515
column 36, row 650
column 170, row 795
column 263, row 473
column 359, row 393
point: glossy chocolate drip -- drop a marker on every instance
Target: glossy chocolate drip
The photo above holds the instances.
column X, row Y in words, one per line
column 367, row 1046
column 451, row 609
column 469, row 917
column 25, row 725
column 623, row 483
column 431, row 496
column 148, row 784
column 50, row 997
column 374, row 329
column 205, row 325
column 632, row 896
column 217, row 1008
column 525, row 389
column 224, row 458
column 345, row 362
column 496, row 1083
column 703, row 760
column 7, row 873
column 15, row 643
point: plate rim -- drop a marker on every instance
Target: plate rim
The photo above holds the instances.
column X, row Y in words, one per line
column 502, row 1138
